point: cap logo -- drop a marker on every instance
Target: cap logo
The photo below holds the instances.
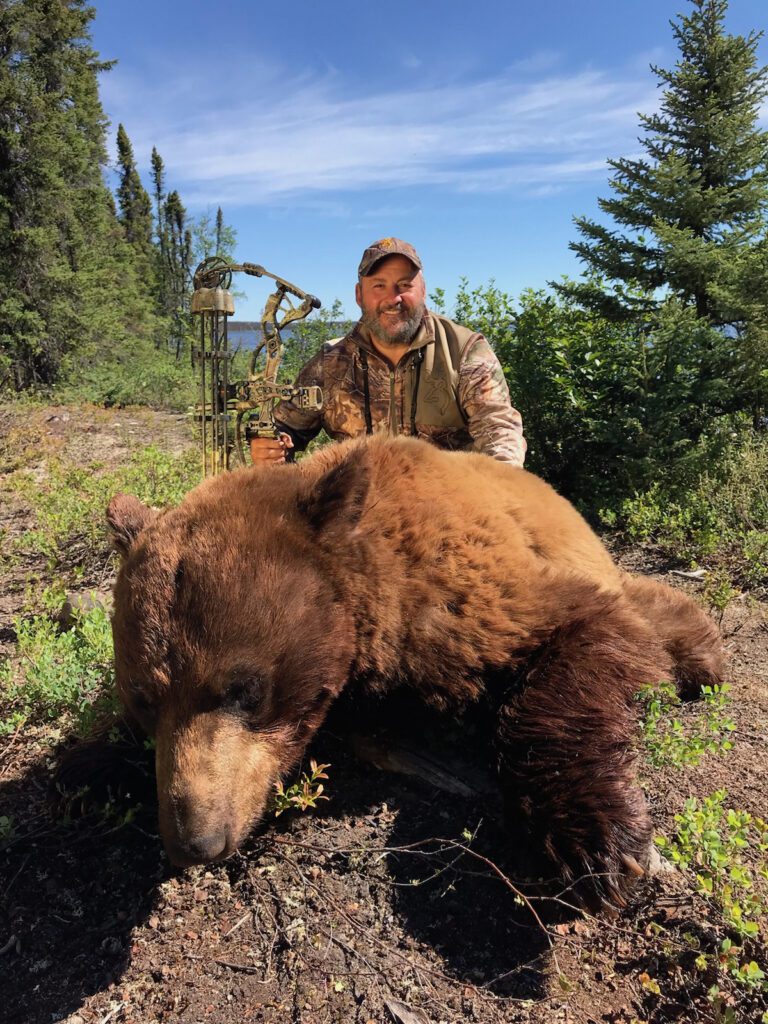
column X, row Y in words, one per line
column 387, row 247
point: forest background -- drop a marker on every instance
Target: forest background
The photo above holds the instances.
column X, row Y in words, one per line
column 642, row 384
column 643, row 389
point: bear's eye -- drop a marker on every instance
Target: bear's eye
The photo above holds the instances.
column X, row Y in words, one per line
column 244, row 695
column 143, row 708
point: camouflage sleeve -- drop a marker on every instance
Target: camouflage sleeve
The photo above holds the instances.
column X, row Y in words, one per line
column 496, row 428
column 302, row 424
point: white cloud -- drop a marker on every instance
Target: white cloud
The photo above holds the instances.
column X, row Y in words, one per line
column 303, row 136
column 536, row 63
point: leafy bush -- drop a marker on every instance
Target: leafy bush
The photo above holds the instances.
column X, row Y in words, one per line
column 609, row 408
column 62, row 676
column 137, row 374
column 721, row 515
column 727, row 850
column 668, row 741
column 70, row 500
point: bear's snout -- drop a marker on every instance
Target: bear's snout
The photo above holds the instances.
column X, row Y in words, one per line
column 199, row 848
column 214, row 779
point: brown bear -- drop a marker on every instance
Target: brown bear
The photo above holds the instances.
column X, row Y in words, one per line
column 240, row 615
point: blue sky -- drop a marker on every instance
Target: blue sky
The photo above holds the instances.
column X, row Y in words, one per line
column 474, row 130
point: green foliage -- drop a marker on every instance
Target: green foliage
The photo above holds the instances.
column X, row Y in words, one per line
column 609, row 408
column 87, row 289
column 668, row 741
column 719, row 513
column 718, row 593
column 174, row 260
column 212, row 237
column 134, row 373
column 70, row 501
column 727, row 851
column 687, row 526
column 61, row 676
column 68, row 277
column 696, row 199
column 690, row 215
column 303, row 794
column 133, row 202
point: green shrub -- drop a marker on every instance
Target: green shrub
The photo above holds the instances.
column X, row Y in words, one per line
column 137, row 374
column 303, row 794
column 668, row 741
column 61, row 676
column 70, row 501
column 727, row 851
column 719, row 515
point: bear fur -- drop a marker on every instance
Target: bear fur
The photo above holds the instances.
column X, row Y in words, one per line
column 381, row 563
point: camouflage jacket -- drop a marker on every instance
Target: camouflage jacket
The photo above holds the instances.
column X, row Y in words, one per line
column 448, row 388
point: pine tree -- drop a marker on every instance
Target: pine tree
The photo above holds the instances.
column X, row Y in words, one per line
column 691, row 210
column 174, row 256
column 217, row 239
column 178, row 248
column 219, row 231
column 67, row 277
column 133, row 202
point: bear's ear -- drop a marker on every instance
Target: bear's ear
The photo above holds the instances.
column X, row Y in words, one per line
column 338, row 497
column 127, row 517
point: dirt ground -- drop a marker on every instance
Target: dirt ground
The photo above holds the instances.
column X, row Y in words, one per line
column 394, row 901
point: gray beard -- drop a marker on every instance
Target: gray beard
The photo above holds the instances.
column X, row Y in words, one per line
column 402, row 334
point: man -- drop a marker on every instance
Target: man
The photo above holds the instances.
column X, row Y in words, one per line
column 404, row 370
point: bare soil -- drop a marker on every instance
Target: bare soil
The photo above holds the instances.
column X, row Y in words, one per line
column 375, row 907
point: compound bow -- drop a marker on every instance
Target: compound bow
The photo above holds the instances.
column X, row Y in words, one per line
column 232, row 412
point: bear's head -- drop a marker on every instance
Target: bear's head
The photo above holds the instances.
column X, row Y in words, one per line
column 232, row 638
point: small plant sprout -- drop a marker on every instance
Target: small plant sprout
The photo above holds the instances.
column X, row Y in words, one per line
column 302, row 794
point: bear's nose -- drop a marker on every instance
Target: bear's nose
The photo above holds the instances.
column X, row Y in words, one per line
column 199, row 849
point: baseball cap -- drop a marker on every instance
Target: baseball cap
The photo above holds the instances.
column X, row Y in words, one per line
column 387, row 247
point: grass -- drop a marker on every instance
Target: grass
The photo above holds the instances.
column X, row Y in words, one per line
column 70, row 500
column 64, row 678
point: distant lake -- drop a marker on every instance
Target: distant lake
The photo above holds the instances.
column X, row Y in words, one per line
column 246, row 335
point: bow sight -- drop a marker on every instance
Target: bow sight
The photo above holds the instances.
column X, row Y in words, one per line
column 232, row 412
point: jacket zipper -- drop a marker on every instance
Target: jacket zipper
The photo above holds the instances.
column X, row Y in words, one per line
column 394, row 427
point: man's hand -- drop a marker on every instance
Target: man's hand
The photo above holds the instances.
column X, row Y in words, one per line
column 268, row 451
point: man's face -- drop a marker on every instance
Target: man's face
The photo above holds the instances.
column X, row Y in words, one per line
column 392, row 300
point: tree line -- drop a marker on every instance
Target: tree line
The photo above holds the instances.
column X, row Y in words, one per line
column 86, row 277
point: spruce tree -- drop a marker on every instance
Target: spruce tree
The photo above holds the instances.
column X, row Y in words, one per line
column 219, row 231
column 174, row 258
column 691, row 210
column 67, row 277
column 133, row 202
